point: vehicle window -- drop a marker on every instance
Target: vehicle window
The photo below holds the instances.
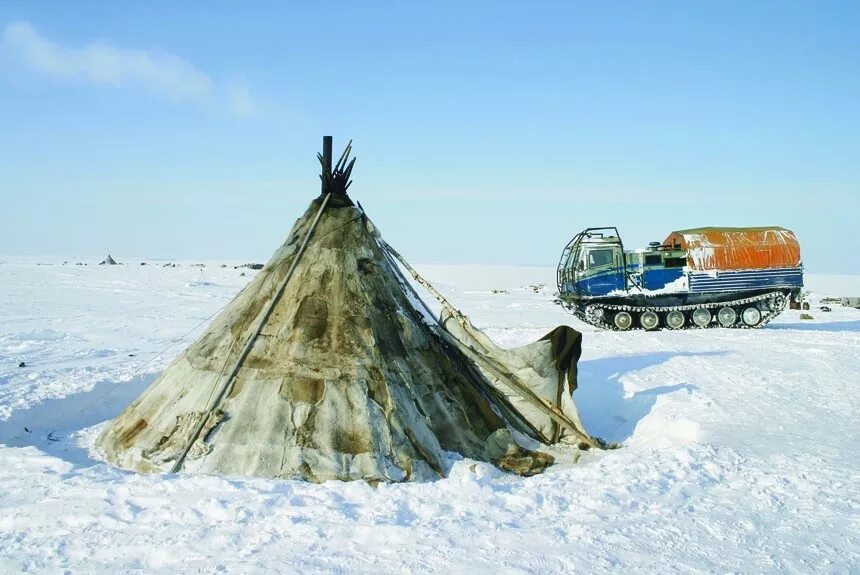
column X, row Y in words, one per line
column 652, row 259
column 675, row 262
column 580, row 262
column 597, row 258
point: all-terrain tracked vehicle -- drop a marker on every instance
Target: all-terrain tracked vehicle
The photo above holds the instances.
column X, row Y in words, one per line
column 703, row 277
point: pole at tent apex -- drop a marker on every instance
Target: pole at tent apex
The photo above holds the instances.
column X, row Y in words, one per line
column 327, row 145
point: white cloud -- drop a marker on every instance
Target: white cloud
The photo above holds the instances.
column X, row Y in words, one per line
column 100, row 63
column 240, row 99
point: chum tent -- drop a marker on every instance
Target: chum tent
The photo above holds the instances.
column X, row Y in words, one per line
column 327, row 366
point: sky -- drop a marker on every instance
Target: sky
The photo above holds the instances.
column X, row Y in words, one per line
column 485, row 132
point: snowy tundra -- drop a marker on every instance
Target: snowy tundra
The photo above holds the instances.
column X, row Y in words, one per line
column 740, row 447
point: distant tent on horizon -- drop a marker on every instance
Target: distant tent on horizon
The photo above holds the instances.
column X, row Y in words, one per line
column 326, row 366
column 108, row 261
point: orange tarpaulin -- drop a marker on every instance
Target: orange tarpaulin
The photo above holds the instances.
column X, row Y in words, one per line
column 737, row 248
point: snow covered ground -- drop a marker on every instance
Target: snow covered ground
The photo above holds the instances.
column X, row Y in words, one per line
column 740, row 446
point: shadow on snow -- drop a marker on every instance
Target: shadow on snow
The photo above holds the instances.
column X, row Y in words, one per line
column 849, row 325
column 51, row 426
column 606, row 411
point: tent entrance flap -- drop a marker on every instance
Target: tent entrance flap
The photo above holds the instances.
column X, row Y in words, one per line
column 532, row 377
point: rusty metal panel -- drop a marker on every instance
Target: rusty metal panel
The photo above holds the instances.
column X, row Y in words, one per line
column 737, row 248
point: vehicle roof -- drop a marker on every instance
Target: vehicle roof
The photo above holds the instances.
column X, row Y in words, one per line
column 707, row 229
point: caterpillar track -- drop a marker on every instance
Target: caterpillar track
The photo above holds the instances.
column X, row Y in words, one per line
column 751, row 312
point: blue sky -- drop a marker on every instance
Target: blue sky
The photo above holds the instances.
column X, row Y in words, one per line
column 485, row 132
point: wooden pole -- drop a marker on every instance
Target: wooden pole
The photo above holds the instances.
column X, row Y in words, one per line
column 327, row 156
column 249, row 345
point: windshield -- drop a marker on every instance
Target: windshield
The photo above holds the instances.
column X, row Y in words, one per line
column 597, row 258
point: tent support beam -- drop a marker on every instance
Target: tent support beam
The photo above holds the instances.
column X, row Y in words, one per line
column 249, row 345
column 327, row 158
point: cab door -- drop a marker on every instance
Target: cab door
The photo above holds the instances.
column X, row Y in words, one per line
column 600, row 270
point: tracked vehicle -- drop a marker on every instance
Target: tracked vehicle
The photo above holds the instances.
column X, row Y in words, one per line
column 696, row 278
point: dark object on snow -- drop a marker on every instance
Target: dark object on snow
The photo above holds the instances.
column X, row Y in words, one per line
column 824, row 308
column 22, row 364
column 804, row 305
column 143, row 263
column 851, row 302
column 109, row 261
column 249, row 266
column 223, row 265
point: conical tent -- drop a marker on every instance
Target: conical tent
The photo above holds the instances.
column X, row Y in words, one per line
column 322, row 368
